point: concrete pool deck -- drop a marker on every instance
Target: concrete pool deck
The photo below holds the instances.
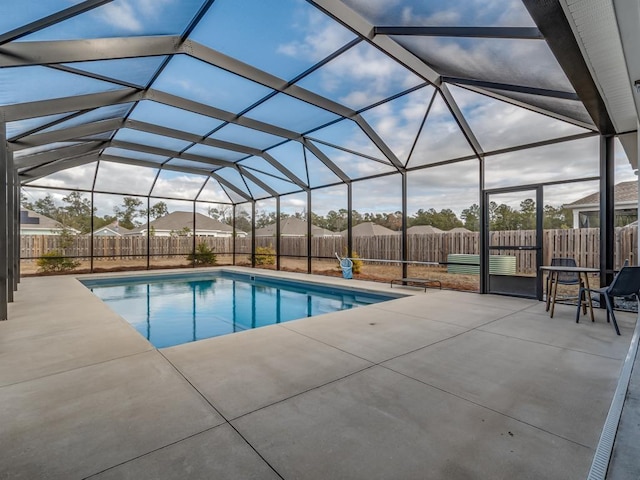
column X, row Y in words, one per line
column 440, row 384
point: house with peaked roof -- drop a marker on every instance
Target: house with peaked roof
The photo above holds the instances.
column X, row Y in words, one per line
column 294, row 227
column 422, row 230
column 586, row 210
column 111, row 230
column 32, row 223
column 181, row 223
column 369, row 229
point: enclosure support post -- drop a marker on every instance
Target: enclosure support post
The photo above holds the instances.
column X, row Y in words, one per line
column 233, row 234
column 91, row 234
column 484, row 233
column 308, row 231
column 4, row 257
column 404, row 247
column 539, row 239
column 16, row 257
column 193, row 242
column 607, row 230
column 278, row 232
column 253, row 234
column 349, row 220
column 10, row 198
column 148, row 232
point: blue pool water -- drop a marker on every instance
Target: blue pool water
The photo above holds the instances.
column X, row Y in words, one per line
column 174, row 309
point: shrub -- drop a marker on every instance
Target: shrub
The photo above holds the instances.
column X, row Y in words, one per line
column 53, row 261
column 203, row 255
column 357, row 264
column 265, row 256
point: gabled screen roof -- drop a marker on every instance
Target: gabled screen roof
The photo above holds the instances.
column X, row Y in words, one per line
column 259, row 98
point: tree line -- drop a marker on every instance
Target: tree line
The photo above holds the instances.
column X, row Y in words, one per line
column 76, row 212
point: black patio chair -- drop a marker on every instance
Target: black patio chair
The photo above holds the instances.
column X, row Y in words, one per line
column 563, row 278
column 626, row 283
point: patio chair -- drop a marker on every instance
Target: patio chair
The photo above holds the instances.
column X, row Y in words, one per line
column 626, row 283
column 563, row 278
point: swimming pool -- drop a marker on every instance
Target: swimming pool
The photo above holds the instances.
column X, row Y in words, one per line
column 175, row 309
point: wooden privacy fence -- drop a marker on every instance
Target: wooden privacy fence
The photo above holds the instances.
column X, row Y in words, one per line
column 582, row 244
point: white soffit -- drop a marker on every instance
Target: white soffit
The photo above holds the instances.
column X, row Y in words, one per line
column 596, row 30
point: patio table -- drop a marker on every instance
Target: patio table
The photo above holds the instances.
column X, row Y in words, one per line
column 554, row 271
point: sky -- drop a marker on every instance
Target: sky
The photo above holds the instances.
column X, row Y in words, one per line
column 284, row 38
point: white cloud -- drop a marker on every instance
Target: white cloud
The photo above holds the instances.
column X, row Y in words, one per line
column 131, row 16
column 121, row 15
column 178, row 185
column 323, row 37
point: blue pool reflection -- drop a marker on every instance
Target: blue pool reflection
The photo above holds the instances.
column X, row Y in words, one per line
column 173, row 311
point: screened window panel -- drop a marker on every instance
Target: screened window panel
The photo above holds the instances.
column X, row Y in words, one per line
column 213, row 192
column 102, row 113
column 511, row 61
column 517, row 125
column 151, row 139
column 564, row 200
column 294, row 229
column 296, row 36
column 24, row 84
column 124, row 18
column 134, row 154
column 265, row 221
column 454, row 186
column 21, row 127
column 261, row 165
column 25, row 152
column 330, row 205
column 569, row 108
column 178, row 185
column 234, row 196
column 319, row 173
column 138, row 70
column 215, row 153
column 246, row 136
column 348, row 135
column 195, row 80
column 64, row 210
column 172, row 117
column 276, row 183
column 504, row 13
column 80, row 177
column 99, row 136
column 13, row 15
column 555, row 162
column 387, row 192
column 398, row 121
column 122, row 178
column 232, row 176
column 440, row 138
column 624, row 171
column 353, row 165
column 291, row 156
column 360, row 77
column 257, row 191
column 299, row 117
column 244, row 221
column 180, row 162
column 130, row 212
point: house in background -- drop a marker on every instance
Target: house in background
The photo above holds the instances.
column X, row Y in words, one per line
column 586, row 211
column 294, row 227
column 181, row 223
column 423, row 229
column 32, row 223
column 111, row 230
column 369, row 229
